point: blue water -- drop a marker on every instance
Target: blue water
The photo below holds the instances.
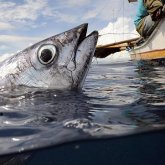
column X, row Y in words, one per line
column 117, row 100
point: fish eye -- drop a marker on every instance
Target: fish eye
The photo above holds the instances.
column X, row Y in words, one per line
column 46, row 54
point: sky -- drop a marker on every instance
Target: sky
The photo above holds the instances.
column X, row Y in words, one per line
column 24, row 22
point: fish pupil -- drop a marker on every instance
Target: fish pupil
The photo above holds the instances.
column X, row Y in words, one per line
column 46, row 55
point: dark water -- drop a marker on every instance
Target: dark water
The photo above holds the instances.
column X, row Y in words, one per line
column 117, row 100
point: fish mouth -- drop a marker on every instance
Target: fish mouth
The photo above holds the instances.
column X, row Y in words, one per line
column 84, row 46
column 84, row 52
column 83, row 33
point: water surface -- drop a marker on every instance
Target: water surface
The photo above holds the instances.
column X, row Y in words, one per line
column 116, row 100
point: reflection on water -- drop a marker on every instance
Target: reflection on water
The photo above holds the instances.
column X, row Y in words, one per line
column 152, row 87
column 133, row 95
column 116, row 100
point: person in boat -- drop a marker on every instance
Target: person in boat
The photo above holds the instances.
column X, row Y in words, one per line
column 149, row 13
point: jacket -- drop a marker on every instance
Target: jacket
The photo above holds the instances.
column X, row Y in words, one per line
column 151, row 6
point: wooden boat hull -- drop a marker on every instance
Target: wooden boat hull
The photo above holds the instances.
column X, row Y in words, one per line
column 150, row 55
column 153, row 47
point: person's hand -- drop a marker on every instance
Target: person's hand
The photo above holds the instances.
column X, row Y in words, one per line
column 157, row 14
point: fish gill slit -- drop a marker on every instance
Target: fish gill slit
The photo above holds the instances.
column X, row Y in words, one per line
column 32, row 64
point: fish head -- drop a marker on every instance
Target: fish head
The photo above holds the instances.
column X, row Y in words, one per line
column 61, row 61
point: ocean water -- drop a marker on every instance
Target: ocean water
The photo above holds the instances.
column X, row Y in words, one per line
column 117, row 100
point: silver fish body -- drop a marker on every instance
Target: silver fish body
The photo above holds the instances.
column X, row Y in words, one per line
column 59, row 62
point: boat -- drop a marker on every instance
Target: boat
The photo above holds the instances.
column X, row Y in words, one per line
column 139, row 48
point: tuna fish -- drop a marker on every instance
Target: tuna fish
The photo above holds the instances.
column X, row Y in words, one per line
column 59, row 62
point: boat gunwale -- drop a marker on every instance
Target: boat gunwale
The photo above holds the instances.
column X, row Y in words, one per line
column 135, row 48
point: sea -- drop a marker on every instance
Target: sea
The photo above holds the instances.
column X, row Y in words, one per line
column 117, row 118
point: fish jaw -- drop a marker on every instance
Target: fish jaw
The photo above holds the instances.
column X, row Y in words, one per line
column 84, row 55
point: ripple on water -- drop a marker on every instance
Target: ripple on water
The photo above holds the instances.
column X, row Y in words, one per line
column 117, row 99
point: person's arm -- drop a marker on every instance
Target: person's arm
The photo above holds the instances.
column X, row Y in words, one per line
column 154, row 8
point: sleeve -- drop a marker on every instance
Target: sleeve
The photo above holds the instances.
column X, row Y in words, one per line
column 152, row 6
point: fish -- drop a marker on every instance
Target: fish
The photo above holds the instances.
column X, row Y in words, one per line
column 58, row 62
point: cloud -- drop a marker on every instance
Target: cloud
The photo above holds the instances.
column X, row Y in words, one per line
column 85, row 10
column 75, row 3
column 3, row 47
column 97, row 10
column 15, row 39
column 91, row 14
column 109, row 10
column 13, row 43
column 29, row 10
column 26, row 14
column 117, row 31
column 66, row 17
column 6, row 26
